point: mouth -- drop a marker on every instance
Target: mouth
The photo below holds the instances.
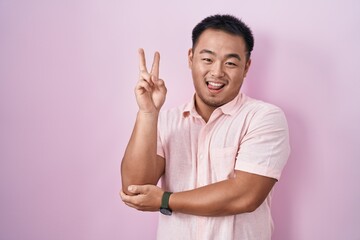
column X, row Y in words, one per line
column 214, row 86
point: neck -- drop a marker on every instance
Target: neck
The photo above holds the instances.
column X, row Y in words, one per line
column 203, row 110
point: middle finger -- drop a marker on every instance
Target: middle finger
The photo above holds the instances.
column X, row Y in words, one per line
column 155, row 65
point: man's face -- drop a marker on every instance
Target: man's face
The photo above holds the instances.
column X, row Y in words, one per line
column 219, row 65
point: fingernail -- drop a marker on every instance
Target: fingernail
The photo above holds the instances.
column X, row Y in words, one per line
column 130, row 188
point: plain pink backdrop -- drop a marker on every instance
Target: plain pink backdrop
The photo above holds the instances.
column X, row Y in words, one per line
column 67, row 73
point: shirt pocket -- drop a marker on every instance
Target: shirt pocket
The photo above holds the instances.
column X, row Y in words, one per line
column 222, row 162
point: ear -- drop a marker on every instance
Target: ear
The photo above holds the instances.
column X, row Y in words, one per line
column 190, row 57
column 247, row 66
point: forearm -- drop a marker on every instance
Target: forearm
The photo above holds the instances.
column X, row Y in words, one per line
column 229, row 197
column 212, row 200
column 140, row 164
column 243, row 193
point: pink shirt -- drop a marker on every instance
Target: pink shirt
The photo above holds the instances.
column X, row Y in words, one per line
column 244, row 134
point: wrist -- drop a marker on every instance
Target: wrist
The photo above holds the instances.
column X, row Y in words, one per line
column 148, row 116
column 165, row 208
column 148, row 113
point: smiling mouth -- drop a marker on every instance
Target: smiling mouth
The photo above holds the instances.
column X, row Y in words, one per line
column 214, row 85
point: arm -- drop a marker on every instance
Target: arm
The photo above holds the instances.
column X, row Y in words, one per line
column 140, row 164
column 243, row 193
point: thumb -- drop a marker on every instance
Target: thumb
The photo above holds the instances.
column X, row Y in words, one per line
column 135, row 189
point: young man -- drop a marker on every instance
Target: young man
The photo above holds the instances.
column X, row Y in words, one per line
column 218, row 156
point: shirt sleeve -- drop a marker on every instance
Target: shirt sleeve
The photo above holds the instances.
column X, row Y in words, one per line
column 265, row 148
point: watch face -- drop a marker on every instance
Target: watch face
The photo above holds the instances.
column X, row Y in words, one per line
column 166, row 211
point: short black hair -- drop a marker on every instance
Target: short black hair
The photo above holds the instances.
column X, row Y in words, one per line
column 228, row 24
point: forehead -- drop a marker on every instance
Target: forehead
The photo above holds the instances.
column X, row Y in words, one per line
column 220, row 41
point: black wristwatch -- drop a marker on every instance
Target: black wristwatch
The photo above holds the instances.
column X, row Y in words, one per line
column 164, row 209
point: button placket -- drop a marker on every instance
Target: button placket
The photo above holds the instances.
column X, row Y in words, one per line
column 203, row 168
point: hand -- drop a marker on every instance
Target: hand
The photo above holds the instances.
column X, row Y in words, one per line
column 145, row 198
column 150, row 91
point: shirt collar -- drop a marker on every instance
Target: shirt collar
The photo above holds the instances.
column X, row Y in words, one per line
column 231, row 107
column 228, row 108
column 190, row 109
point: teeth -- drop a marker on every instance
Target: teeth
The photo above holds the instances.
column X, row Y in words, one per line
column 215, row 84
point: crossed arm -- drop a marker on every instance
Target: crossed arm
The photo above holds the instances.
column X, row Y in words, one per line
column 142, row 168
column 243, row 193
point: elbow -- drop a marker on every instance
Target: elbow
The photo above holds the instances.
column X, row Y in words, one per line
column 251, row 207
column 126, row 178
column 128, row 175
column 247, row 206
column 254, row 203
column 126, row 181
column 132, row 176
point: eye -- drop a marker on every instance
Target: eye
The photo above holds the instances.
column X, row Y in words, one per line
column 206, row 60
column 230, row 64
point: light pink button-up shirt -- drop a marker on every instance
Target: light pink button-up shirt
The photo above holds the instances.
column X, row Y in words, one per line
column 244, row 134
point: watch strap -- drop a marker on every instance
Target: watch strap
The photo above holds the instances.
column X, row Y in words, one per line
column 165, row 200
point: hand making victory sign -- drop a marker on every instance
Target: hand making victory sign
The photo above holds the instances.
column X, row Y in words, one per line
column 150, row 91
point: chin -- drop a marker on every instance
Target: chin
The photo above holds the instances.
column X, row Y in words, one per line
column 213, row 103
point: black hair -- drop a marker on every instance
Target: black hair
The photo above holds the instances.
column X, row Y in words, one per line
column 228, row 24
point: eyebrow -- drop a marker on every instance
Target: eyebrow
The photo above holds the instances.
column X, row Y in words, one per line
column 230, row 55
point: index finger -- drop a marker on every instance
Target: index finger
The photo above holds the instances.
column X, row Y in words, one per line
column 155, row 65
column 142, row 62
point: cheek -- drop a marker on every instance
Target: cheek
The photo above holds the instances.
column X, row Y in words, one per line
column 199, row 71
column 236, row 80
column 237, row 75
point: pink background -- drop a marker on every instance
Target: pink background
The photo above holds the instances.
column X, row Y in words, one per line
column 67, row 73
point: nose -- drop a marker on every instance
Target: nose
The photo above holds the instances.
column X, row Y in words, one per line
column 217, row 70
